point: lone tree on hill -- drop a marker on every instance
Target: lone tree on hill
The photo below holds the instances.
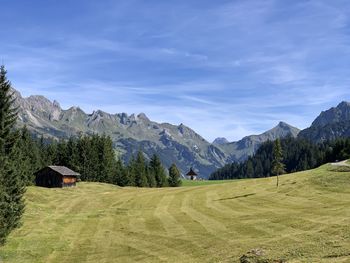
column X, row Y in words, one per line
column 12, row 185
column 277, row 165
column 174, row 176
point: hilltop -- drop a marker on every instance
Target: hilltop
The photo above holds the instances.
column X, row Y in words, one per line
column 306, row 219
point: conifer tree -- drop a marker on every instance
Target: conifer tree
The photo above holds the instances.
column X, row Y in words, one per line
column 82, row 148
column 158, row 171
column 250, row 169
column 63, row 154
column 151, row 180
column 90, row 149
column 43, row 158
column 121, row 178
column 131, row 172
column 73, row 154
column 27, row 156
column 277, row 165
column 140, row 171
column 174, row 176
column 11, row 180
column 107, row 160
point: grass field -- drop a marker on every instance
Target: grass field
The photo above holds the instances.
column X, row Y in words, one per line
column 204, row 182
column 306, row 219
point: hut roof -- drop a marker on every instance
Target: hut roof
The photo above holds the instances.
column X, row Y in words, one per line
column 191, row 173
column 63, row 170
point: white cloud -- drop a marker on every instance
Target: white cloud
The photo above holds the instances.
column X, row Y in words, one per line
column 226, row 70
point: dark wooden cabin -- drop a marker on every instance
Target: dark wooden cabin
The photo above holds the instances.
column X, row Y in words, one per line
column 56, row 176
column 192, row 174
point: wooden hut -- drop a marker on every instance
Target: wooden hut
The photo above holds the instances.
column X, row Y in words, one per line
column 192, row 174
column 56, row 176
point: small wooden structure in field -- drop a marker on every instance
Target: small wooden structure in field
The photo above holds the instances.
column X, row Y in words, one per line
column 56, row 176
column 192, row 174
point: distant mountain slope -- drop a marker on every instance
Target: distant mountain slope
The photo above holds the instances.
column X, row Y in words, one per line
column 173, row 143
column 329, row 125
column 240, row 150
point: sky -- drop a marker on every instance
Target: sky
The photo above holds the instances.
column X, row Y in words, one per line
column 224, row 68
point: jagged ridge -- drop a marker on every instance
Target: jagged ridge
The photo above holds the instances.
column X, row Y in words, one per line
column 173, row 143
column 329, row 125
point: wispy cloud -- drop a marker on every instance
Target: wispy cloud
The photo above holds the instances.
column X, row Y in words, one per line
column 224, row 68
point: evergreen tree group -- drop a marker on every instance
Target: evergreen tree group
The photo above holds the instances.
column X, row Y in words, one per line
column 93, row 157
column 298, row 155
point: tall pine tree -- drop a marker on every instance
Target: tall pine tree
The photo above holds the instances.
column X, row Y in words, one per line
column 11, row 177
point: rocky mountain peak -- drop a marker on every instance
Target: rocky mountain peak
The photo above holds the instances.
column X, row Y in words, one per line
column 56, row 104
column 98, row 115
column 43, row 107
column 181, row 128
column 74, row 109
column 282, row 124
column 344, row 104
column 329, row 125
column 124, row 118
column 133, row 117
column 143, row 117
column 281, row 130
column 333, row 115
column 220, row 141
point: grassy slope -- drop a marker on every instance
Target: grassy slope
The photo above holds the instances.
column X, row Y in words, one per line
column 307, row 219
column 204, row 182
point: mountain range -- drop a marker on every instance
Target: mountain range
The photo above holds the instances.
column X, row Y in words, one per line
column 173, row 143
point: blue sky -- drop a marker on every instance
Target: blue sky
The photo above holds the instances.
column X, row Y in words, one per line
column 224, row 68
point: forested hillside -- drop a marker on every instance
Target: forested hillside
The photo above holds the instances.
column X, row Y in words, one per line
column 298, row 155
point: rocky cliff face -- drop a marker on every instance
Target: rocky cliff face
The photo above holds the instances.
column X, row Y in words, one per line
column 173, row 143
column 329, row 125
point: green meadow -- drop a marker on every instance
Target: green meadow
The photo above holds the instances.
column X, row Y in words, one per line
column 204, row 182
column 305, row 219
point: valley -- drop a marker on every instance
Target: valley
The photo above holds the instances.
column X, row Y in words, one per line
column 306, row 219
column 177, row 144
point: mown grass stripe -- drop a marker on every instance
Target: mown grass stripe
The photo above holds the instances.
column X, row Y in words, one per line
column 305, row 219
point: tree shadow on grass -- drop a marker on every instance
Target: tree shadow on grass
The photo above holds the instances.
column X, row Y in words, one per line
column 235, row 197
